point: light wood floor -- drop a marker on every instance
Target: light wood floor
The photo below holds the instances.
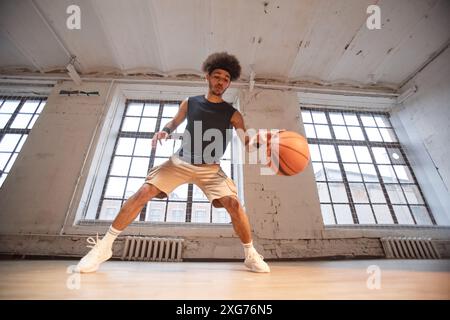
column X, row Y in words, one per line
column 345, row 279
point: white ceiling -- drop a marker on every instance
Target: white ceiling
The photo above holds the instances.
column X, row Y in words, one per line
column 293, row 41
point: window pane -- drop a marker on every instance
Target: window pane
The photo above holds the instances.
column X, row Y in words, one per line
column 9, row 142
column 139, row 167
column 11, row 162
column 147, row 125
column 351, row 119
column 403, row 215
column 381, row 155
column 110, row 209
column 226, row 167
column 412, row 194
column 341, row 133
column 338, row 193
column 197, row 194
column 328, row 152
column 323, row 192
column 21, row 121
column 314, row 152
column 4, row 157
column 382, row 121
column 9, row 106
column 323, row 132
column 403, row 174
column 170, row 110
column 369, row 173
column 21, row 142
column 356, row 133
column 373, row 134
column 41, row 107
column 156, row 211
column 180, row 193
column 133, row 186
column 181, row 127
column 176, row 212
column 362, row 154
column 387, row 174
column 309, row 130
column 134, row 109
column 336, row 118
column 115, row 187
column 368, row 121
column 333, row 171
column 375, row 193
column 364, row 213
column 165, row 149
column 388, row 135
column 359, row 193
column 319, row 117
column 159, row 161
column 395, row 194
column 3, row 178
column 421, row 215
column 125, row 146
column 4, row 118
column 120, row 166
column 220, row 215
column 29, row 106
column 33, row 121
column 143, row 147
column 200, row 212
column 383, row 214
column 352, row 172
column 151, row 110
column 327, row 214
column 319, row 172
column 347, row 154
column 130, row 124
column 343, row 214
column 306, row 115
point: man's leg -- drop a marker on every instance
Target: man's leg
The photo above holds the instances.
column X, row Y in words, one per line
column 102, row 250
column 133, row 206
column 253, row 260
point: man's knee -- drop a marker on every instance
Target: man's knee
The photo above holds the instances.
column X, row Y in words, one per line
column 146, row 192
column 230, row 203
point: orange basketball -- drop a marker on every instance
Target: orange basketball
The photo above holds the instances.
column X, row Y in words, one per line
column 289, row 153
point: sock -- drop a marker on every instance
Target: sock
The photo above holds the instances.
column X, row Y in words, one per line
column 110, row 236
column 248, row 247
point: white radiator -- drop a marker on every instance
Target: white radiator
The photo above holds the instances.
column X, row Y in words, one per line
column 152, row 249
column 409, row 248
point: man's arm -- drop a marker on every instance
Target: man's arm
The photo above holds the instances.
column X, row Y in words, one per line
column 172, row 124
column 237, row 121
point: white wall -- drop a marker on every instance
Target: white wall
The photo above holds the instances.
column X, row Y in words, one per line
column 423, row 125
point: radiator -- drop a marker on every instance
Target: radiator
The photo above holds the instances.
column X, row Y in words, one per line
column 409, row 248
column 152, row 249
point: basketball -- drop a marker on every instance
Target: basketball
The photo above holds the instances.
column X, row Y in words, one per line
column 288, row 153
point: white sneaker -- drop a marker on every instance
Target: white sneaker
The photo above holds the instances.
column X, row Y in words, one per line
column 255, row 262
column 99, row 253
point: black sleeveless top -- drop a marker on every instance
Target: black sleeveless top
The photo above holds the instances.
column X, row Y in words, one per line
column 208, row 131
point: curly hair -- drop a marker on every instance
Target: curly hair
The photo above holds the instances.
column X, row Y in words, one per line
column 225, row 61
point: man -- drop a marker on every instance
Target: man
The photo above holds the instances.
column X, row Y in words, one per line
column 191, row 164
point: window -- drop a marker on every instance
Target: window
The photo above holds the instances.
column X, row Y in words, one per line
column 361, row 171
column 17, row 118
column 133, row 157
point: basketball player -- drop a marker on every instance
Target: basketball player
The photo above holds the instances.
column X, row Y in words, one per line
column 190, row 165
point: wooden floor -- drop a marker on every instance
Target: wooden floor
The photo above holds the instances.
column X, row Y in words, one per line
column 345, row 279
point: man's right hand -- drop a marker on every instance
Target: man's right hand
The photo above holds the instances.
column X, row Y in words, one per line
column 158, row 137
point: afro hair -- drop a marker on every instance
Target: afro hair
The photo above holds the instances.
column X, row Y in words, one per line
column 225, row 61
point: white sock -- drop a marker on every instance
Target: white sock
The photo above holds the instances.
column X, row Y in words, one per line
column 248, row 247
column 111, row 235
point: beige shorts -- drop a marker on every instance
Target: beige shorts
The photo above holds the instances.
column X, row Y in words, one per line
column 210, row 178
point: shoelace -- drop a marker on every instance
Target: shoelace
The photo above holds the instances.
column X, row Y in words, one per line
column 93, row 242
